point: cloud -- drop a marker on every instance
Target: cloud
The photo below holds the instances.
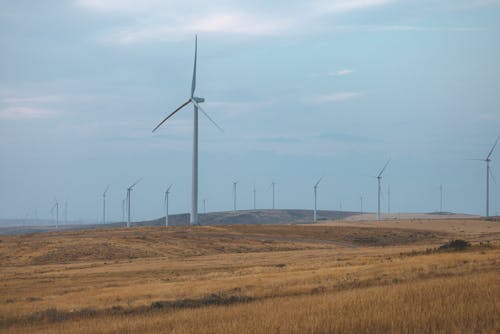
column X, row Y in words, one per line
column 340, row 72
column 20, row 113
column 29, row 107
column 334, row 97
column 155, row 20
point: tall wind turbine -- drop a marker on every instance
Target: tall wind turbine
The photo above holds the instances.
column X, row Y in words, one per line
column 361, row 202
column 129, row 190
column 315, row 196
column 488, row 171
column 196, row 106
column 379, row 178
column 167, row 192
column 234, row 195
column 56, row 207
column 104, row 205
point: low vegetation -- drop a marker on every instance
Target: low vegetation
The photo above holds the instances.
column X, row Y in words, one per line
column 249, row 279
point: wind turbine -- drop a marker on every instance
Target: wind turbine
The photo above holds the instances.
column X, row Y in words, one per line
column 488, row 171
column 56, row 206
column 167, row 192
column 379, row 178
column 104, row 205
column 196, row 106
column 234, row 195
column 361, row 202
column 315, row 195
column 129, row 189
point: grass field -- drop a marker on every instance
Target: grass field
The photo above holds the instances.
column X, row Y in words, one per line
column 335, row 277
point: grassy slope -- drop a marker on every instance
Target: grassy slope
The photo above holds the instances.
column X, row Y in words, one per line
column 299, row 278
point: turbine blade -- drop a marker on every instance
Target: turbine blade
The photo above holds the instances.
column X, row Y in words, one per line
column 383, row 169
column 105, row 191
column 492, row 176
column 476, row 159
column 193, row 83
column 176, row 110
column 168, row 189
column 491, row 152
column 321, row 178
column 204, row 113
column 133, row 185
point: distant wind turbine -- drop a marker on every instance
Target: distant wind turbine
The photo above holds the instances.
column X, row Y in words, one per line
column 196, row 106
column 234, row 195
column 104, row 205
column 167, row 192
column 488, row 171
column 129, row 190
column 379, row 178
column 315, row 197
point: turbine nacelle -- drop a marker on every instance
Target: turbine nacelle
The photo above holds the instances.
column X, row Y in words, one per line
column 198, row 99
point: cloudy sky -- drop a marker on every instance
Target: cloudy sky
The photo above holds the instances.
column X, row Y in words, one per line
column 303, row 89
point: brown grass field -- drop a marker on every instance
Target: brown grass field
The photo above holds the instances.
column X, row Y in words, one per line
column 333, row 277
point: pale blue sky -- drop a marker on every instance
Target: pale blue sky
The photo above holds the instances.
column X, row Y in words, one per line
column 302, row 89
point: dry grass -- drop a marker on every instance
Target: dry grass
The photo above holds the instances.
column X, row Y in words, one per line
column 295, row 278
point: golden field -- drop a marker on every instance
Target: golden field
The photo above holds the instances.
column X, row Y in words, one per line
column 334, row 277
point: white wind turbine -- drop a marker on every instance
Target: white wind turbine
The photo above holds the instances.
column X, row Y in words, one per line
column 488, row 172
column 315, row 195
column 129, row 190
column 104, row 205
column 167, row 192
column 379, row 178
column 196, row 106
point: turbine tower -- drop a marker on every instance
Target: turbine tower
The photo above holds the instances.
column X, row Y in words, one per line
column 440, row 198
column 56, row 207
column 104, row 205
column 315, row 196
column 167, row 192
column 379, row 178
column 273, row 185
column 388, row 199
column 196, row 106
column 129, row 190
column 361, row 202
column 488, row 171
column 254, row 198
column 234, row 195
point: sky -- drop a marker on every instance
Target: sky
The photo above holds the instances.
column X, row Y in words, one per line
column 302, row 89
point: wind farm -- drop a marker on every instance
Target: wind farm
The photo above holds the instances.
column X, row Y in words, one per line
column 271, row 222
